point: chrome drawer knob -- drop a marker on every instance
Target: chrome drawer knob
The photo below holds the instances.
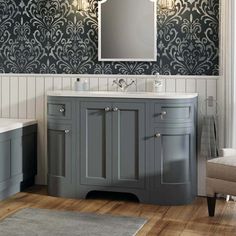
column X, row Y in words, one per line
column 115, row 109
column 107, row 108
column 67, row 131
column 163, row 113
column 158, row 135
column 62, row 110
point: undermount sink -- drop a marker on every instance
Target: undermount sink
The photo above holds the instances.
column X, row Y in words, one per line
column 131, row 94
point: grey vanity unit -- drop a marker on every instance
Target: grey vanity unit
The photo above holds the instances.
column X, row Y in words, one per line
column 138, row 143
column 18, row 155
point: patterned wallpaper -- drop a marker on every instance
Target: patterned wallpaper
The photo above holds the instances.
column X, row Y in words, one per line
column 49, row 36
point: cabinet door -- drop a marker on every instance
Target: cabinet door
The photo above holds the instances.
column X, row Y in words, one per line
column 59, row 157
column 95, row 143
column 174, row 176
column 129, row 145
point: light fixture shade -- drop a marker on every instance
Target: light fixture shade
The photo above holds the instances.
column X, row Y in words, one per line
column 81, row 5
column 166, row 4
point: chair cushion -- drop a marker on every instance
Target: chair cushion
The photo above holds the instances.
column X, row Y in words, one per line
column 222, row 168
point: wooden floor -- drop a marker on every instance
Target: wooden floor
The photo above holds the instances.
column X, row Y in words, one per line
column 162, row 220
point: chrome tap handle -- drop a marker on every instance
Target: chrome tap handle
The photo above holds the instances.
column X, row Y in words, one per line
column 115, row 82
column 133, row 82
column 157, row 135
column 67, row 131
column 129, row 84
column 107, row 109
column 115, row 109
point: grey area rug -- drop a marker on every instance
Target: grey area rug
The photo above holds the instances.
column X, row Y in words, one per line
column 39, row 222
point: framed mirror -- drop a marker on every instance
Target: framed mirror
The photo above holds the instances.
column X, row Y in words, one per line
column 127, row 30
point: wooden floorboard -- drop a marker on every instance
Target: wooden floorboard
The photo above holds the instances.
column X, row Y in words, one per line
column 187, row 220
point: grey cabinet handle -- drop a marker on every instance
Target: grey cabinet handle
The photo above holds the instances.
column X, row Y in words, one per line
column 62, row 109
column 67, row 131
column 158, row 135
column 107, row 109
column 115, row 109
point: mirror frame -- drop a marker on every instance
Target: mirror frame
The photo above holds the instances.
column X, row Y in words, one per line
column 154, row 58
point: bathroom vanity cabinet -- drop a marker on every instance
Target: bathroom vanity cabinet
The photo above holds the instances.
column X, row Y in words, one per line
column 145, row 146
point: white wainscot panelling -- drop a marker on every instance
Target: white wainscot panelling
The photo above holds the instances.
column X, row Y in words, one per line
column 24, row 96
column 170, row 85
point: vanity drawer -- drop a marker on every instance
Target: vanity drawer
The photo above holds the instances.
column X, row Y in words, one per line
column 61, row 110
column 173, row 113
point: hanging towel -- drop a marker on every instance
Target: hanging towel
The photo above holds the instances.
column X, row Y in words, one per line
column 209, row 137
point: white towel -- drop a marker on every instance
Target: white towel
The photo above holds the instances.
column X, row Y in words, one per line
column 209, row 137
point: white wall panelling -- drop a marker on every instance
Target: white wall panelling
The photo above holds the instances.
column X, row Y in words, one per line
column 180, row 85
column 24, row 96
column 14, row 97
column 6, row 93
column 170, row 85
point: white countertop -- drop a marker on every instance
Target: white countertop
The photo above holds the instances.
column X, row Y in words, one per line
column 109, row 94
column 12, row 124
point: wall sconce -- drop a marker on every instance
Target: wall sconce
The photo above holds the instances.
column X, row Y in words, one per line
column 81, row 5
column 166, row 5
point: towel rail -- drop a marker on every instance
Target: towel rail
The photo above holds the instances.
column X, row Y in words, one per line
column 210, row 102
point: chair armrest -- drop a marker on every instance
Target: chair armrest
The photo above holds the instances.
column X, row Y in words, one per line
column 226, row 152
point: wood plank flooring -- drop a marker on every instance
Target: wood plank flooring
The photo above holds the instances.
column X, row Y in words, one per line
column 162, row 220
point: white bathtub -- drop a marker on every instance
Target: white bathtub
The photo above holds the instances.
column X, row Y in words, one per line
column 18, row 155
column 12, row 124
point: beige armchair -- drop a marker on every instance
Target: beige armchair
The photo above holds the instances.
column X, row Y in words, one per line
column 220, row 177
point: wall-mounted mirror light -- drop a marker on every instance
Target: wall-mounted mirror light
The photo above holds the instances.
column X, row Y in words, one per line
column 166, row 4
column 81, row 5
column 127, row 30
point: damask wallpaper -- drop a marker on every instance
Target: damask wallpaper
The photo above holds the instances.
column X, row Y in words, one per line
column 49, row 36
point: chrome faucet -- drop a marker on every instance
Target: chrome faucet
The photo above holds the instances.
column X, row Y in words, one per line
column 122, row 84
